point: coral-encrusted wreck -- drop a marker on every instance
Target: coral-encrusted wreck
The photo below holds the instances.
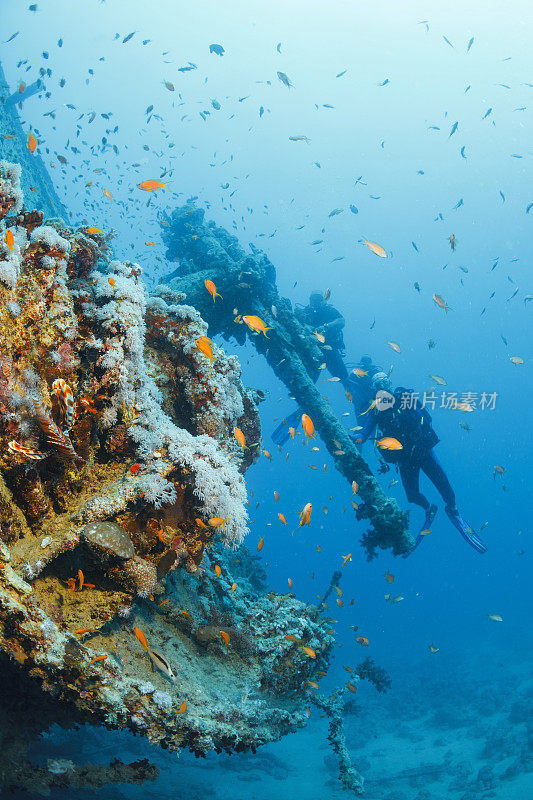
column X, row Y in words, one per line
column 121, row 490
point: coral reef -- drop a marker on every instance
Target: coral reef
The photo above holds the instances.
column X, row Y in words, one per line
column 121, row 490
column 247, row 284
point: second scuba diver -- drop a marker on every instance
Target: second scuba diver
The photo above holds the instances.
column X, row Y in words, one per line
column 328, row 321
column 411, row 427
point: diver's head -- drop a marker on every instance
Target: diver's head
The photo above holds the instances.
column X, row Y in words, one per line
column 365, row 362
column 315, row 299
column 381, row 382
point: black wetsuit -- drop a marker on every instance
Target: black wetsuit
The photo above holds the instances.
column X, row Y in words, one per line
column 316, row 317
column 412, row 428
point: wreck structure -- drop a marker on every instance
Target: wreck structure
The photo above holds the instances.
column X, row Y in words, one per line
column 126, row 597
column 122, row 500
column 247, row 283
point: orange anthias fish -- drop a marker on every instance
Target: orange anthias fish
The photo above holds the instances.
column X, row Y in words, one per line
column 307, row 425
column 452, row 241
column 281, row 518
column 9, row 239
column 309, row 652
column 151, row 186
column 92, row 231
column 212, row 289
column 396, row 347
column 305, row 515
column 224, row 636
column 389, row 443
column 205, row 346
column 183, row 708
column 239, row 435
column 363, row 641
column 437, row 299
column 32, row 143
column 359, row 373
column 375, row 248
column 80, row 578
column 98, row 658
column 255, row 324
column 141, row 637
column 260, row 544
column 388, row 577
column 218, row 522
column 107, row 194
column 218, row 571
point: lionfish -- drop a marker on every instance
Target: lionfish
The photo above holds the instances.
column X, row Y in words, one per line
column 56, row 438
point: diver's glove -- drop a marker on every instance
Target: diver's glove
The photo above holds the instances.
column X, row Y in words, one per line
column 383, row 468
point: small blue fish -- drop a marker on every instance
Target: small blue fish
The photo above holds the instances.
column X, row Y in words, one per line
column 470, row 43
column 458, row 204
column 341, row 73
column 447, row 41
column 502, row 196
column 454, row 128
column 416, row 248
column 486, row 114
column 528, row 209
column 463, row 151
column 355, row 210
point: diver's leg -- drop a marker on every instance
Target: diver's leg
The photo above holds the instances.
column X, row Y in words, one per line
column 432, row 468
column 438, row 477
column 410, row 475
column 337, row 367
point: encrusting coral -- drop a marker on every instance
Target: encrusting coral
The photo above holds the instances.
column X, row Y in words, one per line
column 121, row 489
column 247, row 283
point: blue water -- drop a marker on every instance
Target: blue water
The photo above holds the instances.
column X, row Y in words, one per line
column 409, row 174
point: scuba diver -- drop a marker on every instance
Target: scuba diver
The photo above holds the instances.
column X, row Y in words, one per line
column 411, row 427
column 326, row 320
column 363, row 391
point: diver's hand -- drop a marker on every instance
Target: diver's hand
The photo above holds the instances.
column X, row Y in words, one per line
column 383, row 468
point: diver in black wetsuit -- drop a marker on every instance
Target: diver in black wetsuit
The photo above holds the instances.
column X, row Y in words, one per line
column 411, row 426
column 328, row 321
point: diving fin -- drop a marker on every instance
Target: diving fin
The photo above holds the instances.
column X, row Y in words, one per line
column 468, row 533
column 281, row 433
column 428, row 522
